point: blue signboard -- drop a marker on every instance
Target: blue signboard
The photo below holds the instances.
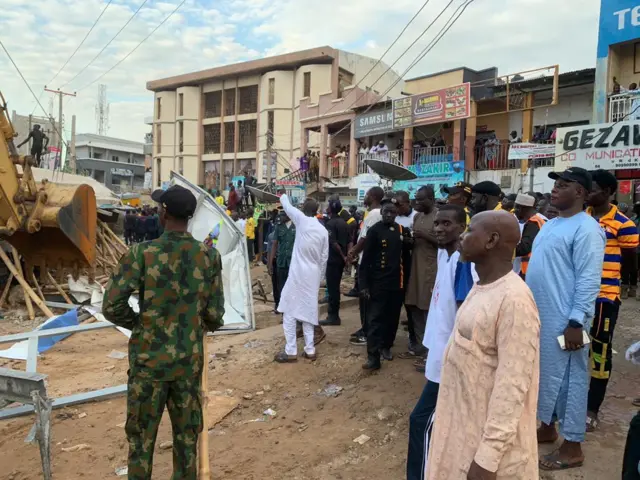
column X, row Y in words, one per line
column 437, row 174
column 619, row 22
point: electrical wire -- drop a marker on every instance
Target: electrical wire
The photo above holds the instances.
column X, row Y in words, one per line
column 448, row 24
column 138, row 45
column 32, row 93
column 387, row 50
column 108, row 43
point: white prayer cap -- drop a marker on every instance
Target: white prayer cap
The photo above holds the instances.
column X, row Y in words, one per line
column 525, row 200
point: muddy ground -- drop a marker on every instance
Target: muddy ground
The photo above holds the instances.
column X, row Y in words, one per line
column 310, row 437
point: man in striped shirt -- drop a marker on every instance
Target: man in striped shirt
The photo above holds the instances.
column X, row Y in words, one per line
column 622, row 240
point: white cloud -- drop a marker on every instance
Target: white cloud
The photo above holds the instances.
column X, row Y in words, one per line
column 204, row 33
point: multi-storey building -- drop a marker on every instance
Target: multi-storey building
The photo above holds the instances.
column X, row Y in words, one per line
column 221, row 122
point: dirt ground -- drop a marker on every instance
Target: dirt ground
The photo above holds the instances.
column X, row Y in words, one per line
column 310, row 437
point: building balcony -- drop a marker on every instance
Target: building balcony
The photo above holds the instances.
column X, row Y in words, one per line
column 621, row 106
column 501, row 156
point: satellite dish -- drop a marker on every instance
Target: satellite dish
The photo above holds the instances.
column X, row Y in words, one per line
column 263, row 195
column 390, row 171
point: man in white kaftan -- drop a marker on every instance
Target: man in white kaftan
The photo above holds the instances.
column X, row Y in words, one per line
column 299, row 298
column 564, row 276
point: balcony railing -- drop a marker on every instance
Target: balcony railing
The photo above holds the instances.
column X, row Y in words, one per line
column 496, row 157
column 392, row 156
column 432, row 155
column 621, row 106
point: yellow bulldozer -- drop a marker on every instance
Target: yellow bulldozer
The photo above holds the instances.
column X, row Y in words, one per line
column 51, row 225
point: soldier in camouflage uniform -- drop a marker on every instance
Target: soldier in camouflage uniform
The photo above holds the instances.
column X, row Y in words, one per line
column 180, row 290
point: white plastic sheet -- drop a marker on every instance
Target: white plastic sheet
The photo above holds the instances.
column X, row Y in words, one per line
column 236, row 275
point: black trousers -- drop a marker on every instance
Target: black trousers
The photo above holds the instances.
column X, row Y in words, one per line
column 629, row 276
column 334, row 277
column 420, row 425
column 250, row 252
column 283, row 274
column 274, row 285
column 382, row 319
column 631, row 457
column 602, row 329
column 129, row 237
column 417, row 325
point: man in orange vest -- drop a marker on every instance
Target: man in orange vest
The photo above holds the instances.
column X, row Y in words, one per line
column 530, row 224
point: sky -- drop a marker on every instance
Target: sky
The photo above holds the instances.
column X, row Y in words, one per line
column 41, row 37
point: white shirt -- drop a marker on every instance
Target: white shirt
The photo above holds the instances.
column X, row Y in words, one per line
column 442, row 312
column 373, row 217
column 364, row 150
column 406, row 221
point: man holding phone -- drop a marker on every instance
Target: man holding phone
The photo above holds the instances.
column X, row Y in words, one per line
column 564, row 275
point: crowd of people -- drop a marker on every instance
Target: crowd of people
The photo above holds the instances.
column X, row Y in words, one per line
column 141, row 225
column 511, row 302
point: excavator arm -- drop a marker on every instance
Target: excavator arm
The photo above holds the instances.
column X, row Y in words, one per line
column 49, row 224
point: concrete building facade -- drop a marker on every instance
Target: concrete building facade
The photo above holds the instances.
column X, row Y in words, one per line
column 117, row 163
column 218, row 123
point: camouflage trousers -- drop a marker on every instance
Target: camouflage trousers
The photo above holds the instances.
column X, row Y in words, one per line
column 146, row 400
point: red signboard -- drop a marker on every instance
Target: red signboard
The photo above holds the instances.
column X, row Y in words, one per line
column 442, row 105
column 624, row 187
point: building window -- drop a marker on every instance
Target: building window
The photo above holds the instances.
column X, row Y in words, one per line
column 272, row 91
column 230, row 102
column 248, row 99
column 248, row 132
column 180, row 104
column 115, row 158
column 181, row 165
column 212, row 138
column 158, row 138
column 306, row 88
column 158, row 107
column 229, row 137
column 212, row 104
column 97, row 155
column 180, row 137
column 270, row 127
column 159, row 170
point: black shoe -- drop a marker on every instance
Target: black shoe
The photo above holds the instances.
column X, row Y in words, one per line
column 358, row 333
column 372, row 364
column 360, row 341
column 352, row 293
column 330, row 323
column 386, row 354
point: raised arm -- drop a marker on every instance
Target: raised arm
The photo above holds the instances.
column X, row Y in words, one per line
column 518, row 344
column 25, row 140
column 292, row 212
column 588, row 255
column 115, row 303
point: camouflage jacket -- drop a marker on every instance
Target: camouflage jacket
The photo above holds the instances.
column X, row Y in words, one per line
column 180, row 289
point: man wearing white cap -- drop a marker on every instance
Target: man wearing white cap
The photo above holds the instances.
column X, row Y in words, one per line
column 530, row 225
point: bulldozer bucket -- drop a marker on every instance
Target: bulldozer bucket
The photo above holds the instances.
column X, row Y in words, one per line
column 67, row 234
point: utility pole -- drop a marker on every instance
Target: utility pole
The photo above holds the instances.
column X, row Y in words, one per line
column 60, row 94
column 72, row 147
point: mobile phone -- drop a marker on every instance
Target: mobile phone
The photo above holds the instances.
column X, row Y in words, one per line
column 586, row 340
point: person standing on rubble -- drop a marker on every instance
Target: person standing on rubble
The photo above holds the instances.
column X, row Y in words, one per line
column 179, row 283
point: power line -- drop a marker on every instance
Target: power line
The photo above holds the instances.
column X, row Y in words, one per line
column 32, row 93
column 448, row 24
column 387, row 50
column 108, row 43
column 138, row 45
column 82, row 42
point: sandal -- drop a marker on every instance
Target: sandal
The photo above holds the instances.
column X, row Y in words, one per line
column 407, row 355
column 282, row 357
column 556, row 464
column 592, row 422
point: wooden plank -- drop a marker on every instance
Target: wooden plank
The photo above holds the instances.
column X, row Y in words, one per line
column 25, row 286
column 7, row 288
column 18, row 275
column 59, row 288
